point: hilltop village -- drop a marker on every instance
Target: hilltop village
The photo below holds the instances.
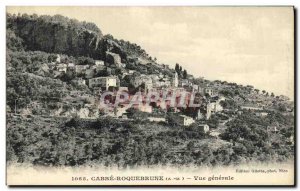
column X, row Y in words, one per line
column 99, row 76
column 58, row 69
column 138, row 82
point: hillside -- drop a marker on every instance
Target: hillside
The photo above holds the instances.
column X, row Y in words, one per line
column 58, row 69
column 59, row 34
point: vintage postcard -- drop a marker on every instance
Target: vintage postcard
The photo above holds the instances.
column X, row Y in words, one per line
column 150, row 96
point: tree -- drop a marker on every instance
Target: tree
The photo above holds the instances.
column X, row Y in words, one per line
column 67, row 77
column 12, row 41
column 184, row 74
column 173, row 120
column 281, row 107
column 190, row 146
column 213, row 122
column 228, row 104
column 136, row 114
column 227, row 93
column 52, row 57
column 85, row 60
column 177, row 68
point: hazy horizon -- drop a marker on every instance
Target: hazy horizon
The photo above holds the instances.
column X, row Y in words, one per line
column 245, row 45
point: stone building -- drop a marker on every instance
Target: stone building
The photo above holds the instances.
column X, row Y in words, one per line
column 62, row 67
column 99, row 62
column 186, row 120
column 79, row 81
column 58, row 58
column 143, row 79
column 203, row 128
column 104, row 82
column 81, row 68
column 209, row 91
column 71, row 66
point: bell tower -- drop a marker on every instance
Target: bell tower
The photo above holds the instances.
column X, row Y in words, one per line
column 175, row 80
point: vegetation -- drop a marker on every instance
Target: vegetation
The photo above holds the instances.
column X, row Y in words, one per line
column 110, row 143
column 33, row 43
column 181, row 73
column 254, row 137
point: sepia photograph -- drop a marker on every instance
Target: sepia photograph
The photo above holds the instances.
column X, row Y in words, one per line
column 150, row 96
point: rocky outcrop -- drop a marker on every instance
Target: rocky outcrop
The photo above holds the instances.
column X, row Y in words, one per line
column 57, row 35
column 113, row 59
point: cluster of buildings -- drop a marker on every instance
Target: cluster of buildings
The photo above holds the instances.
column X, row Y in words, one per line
column 187, row 121
column 112, row 61
column 157, row 82
column 104, row 82
column 86, row 74
column 154, row 81
column 86, row 70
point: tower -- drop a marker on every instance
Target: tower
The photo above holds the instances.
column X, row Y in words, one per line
column 175, row 80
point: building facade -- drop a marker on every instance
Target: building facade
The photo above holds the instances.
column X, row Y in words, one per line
column 209, row 91
column 203, row 128
column 104, row 82
column 81, row 68
column 62, row 67
column 186, row 120
column 99, row 62
column 175, row 80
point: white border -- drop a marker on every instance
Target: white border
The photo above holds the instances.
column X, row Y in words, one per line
column 5, row 3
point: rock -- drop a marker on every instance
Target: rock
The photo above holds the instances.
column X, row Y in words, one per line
column 113, row 59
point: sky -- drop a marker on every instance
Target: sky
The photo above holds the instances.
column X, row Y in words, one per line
column 246, row 45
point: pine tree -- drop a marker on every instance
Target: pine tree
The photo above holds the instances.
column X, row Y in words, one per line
column 177, row 68
column 184, row 74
